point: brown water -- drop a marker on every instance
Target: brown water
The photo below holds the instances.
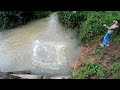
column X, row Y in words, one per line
column 43, row 46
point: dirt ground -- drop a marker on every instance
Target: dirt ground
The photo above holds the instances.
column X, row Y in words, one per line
column 85, row 54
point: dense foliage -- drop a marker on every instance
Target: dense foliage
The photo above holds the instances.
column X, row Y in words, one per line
column 71, row 18
column 11, row 19
column 90, row 23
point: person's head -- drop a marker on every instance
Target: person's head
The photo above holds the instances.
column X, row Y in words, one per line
column 117, row 22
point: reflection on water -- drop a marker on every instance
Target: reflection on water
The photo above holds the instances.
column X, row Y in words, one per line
column 43, row 46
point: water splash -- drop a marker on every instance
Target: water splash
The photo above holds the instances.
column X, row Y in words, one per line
column 48, row 54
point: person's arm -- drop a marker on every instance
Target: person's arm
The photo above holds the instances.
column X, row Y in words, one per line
column 106, row 26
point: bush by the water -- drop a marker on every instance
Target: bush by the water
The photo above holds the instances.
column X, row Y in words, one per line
column 71, row 19
column 90, row 23
column 11, row 19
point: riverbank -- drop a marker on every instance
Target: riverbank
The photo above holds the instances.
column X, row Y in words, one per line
column 98, row 63
column 49, row 48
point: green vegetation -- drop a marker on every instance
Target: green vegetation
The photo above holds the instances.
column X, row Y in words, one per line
column 115, row 70
column 11, row 19
column 96, row 70
column 71, row 19
column 89, row 24
column 90, row 69
column 40, row 14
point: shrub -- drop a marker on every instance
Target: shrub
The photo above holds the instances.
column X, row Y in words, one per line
column 40, row 14
column 71, row 19
column 88, row 69
column 11, row 19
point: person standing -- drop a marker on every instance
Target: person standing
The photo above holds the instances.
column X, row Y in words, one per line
column 109, row 32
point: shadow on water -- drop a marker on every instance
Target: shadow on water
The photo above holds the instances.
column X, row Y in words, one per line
column 43, row 46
